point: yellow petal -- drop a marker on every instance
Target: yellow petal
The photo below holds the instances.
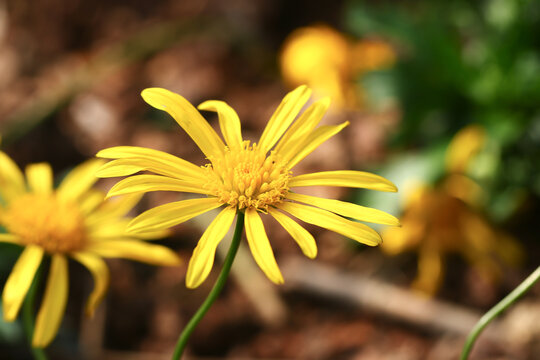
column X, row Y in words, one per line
column 119, row 206
column 53, row 305
column 430, row 270
column 203, row 256
column 333, row 222
column 12, row 182
column 146, row 183
column 40, row 178
column 187, row 117
column 165, row 216
column 116, row 229
column 302, row 237
column 79, row 180
column 9, row 238
column 112, row 209
column 135, row 250
column 19, row 281
column 152, row 235
column 100, row 273
column 464, row 147
column 347, row 209
column 228, row 121
column 133, row 159
column 124, row 167
column 285, row 114
column 312, row 141
column 303, row 126
column 260, row 247
column 108, row 229
column 91, row 200
column 400, row 239
column 346, row 178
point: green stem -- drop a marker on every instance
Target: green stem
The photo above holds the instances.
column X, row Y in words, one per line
column 216, row 290
column 28, row 316
column 497, row 310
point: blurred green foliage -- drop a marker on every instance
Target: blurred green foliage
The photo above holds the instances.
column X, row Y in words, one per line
column 463, row 62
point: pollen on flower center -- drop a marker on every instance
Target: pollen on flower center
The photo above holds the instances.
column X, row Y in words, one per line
column 44, row 220
column 248, row 178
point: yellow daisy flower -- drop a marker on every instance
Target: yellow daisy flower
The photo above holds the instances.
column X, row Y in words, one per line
column 70, row 221
column 254, row 178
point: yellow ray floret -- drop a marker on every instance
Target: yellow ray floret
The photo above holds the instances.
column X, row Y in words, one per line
column 241, row 176
column 71, row 221
column 187, row 117
column 54, row 302
column 347, row 178
column 229, row 122
column 203, row 255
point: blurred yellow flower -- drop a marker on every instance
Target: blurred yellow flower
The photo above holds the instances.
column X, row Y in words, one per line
column 327, row 61
column 70, row 221
column 372, row 54
column 463, row 147
column 446, row 219
column 253, row 178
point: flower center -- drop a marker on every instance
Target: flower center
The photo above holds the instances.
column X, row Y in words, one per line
column 44, row 220
column 247, row 178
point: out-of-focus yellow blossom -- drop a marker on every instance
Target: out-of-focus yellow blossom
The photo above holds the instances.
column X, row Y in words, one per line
column 372, row 54
column 463, row 147
column 252, row 178
column 435, row 223
column 446, row 219
column 70, row 221
column 329, row 62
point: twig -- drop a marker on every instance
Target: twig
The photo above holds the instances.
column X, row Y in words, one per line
column 383, row 299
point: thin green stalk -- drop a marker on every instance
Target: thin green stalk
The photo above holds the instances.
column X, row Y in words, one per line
column 28, row 316
column 497, row 310
column 216, row 290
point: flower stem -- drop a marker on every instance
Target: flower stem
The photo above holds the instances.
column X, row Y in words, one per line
column 216, row 290
column 27, row 316
column 497, row 310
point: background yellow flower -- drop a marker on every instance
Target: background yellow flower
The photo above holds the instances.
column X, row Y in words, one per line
column 330, row 62
column 447, row 218
column 70, row 221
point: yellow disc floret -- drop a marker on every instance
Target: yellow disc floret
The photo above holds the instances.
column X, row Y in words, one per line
column 46, row 221
column 248, row 178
